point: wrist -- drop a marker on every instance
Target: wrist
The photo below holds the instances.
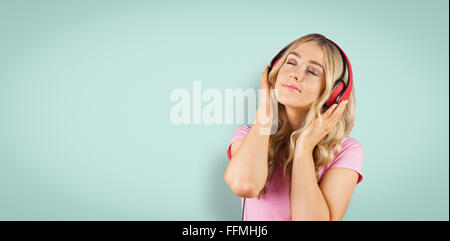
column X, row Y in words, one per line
column 263, row 124
column 304, row 148
column 263, row 118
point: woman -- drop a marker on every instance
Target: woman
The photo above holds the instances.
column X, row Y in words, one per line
column 307, row 169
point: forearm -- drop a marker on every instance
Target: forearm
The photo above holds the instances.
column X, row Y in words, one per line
column 249, row 166
column 307, row 200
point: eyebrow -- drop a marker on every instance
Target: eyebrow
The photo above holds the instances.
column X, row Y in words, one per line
column 311, row 61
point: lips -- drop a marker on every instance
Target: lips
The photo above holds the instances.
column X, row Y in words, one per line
column 291, row 86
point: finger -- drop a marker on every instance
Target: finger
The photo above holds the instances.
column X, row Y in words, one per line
column 339, row 111
column 265, row 79
column 330, row 110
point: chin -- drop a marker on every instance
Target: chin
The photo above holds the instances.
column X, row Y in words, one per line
column 289, row 101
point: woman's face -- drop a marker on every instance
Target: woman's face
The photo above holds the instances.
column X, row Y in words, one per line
column 303, row 70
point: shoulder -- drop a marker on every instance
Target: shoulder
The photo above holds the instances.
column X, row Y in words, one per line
column 350, row 144
column 244, row 128
column 240, row 133
column 350, row 156
column 351, row 150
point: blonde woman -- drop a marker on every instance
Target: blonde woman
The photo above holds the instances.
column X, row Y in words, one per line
column 309, row 168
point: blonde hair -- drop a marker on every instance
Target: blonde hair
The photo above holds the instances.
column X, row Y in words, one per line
column 284, row 139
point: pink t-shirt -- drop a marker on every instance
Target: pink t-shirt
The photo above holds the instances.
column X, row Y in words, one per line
column 275, row 204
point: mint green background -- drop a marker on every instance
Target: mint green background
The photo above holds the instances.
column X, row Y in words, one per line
column 85, row 132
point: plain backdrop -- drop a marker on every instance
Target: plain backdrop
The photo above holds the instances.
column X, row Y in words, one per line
column 85, row 129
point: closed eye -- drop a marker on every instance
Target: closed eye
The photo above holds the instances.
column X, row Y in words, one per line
column 308, row 71
column 312, row 73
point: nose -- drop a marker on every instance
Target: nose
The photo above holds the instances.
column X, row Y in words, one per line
column 293, row 76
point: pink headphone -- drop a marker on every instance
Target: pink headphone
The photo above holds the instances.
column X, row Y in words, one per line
column 341, row 91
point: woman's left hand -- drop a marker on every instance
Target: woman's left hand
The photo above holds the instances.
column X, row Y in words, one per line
column 309, row 138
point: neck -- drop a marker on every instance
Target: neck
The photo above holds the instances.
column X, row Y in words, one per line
column 295, row 116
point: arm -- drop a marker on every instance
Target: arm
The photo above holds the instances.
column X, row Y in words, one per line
column 246, row 172
column 307, row 200
column 329, row 201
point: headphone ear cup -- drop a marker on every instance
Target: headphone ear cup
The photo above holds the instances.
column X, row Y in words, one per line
column 337, row 90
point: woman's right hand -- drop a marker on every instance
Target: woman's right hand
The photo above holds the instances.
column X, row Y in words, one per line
column 265, row 113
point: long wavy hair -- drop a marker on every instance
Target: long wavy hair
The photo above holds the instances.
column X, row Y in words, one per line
column 284, row 138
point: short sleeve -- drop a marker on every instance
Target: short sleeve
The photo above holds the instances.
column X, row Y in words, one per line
column 240, row 133
column 351, row 157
